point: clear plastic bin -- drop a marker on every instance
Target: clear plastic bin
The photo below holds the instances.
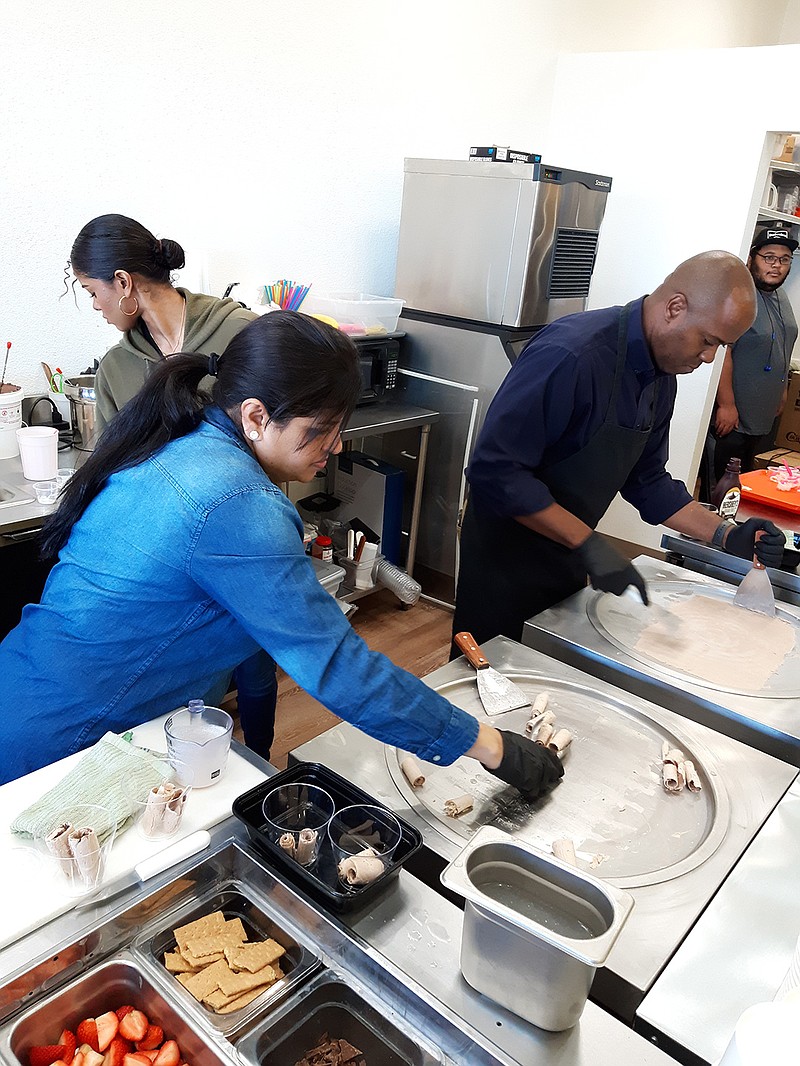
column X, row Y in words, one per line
column 356, row 312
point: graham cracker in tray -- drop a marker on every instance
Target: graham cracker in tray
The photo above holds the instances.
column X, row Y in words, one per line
column 219, row 966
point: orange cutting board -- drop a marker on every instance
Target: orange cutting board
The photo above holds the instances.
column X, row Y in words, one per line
column 757, row 487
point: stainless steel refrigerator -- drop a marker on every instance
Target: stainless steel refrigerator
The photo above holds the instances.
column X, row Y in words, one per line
column 488, row 254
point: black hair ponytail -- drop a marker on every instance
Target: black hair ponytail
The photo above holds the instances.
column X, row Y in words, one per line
column 169, row 406
column 296, row 366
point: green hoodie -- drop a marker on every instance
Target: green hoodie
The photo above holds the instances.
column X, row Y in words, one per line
column 211, row 324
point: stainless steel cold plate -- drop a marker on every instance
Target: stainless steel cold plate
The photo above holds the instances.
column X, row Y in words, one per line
column 611, row 802
column 622, row 622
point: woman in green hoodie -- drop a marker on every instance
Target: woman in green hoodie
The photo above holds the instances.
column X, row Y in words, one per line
column 127, row 272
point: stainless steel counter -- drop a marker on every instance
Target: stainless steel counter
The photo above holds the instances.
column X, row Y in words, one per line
column 740, row 949
column 704, row 559
column 400, row 954
column 23, row 511
column 664, row 911
column 566, row 632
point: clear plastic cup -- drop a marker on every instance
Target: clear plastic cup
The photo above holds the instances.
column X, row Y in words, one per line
column 64, row 474
column 160, row 813
column 78, row 847
column 363, row 839
column 296, row 816
column 46, row 491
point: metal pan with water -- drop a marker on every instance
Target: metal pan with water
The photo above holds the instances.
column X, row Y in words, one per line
column 535, row 929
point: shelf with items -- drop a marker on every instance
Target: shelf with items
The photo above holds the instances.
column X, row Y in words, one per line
column 781, row 194
column 765, row 214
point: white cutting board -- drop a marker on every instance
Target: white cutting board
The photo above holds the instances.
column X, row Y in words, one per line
column 29, row 889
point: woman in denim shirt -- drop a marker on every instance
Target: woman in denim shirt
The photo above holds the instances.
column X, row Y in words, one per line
column 179, row 554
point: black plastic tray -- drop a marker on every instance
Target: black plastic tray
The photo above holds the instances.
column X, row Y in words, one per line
column 322, row 881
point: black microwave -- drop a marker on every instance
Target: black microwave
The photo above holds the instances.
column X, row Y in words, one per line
column 378, row 359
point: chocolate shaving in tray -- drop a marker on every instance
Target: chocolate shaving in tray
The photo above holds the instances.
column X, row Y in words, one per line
column 332, row 1053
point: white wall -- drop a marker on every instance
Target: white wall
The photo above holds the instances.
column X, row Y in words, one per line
column 267, row 139
column 682, row 134
column 270, row 140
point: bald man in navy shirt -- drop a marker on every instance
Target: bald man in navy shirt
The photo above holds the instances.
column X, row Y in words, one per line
column 582, row 415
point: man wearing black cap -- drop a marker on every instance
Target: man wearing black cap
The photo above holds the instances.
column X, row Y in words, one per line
column 755, row 373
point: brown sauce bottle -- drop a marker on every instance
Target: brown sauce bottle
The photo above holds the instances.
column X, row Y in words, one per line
column 728, row 490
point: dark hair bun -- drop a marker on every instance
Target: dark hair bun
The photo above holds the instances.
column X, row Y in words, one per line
column 172, row 254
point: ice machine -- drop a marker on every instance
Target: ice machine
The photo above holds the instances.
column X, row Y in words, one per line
column 488, row 253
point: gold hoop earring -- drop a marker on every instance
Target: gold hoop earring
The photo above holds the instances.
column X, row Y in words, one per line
column 128, row 314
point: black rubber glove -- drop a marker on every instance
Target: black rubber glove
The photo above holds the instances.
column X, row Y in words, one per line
column 768, row 549
column 529, row 767
column 608, row 570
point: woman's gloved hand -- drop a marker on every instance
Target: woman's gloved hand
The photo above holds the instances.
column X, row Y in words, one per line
column 529, row 767
column 608, row 570
column 768, row 549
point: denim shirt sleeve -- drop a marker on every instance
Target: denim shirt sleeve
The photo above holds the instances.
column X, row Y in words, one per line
column 248, row 555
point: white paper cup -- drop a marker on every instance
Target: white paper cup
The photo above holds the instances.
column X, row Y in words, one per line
column 38, row 450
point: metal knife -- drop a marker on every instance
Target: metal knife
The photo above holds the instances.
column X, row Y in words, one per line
column 149, row 867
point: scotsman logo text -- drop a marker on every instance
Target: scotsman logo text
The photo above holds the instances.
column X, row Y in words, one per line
column 602, row 184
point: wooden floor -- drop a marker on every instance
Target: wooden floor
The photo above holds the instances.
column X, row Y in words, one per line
column 417, row 639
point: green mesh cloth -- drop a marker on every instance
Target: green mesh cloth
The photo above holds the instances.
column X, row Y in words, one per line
column 113, row 775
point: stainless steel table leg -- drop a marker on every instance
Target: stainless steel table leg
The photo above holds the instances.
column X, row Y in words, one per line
column 424, row 434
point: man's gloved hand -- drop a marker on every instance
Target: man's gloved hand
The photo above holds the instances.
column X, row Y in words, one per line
column 608, row 570
column 768, row 549
column 529, row 767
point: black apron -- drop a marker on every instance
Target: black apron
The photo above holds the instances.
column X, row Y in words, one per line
column 508, row 573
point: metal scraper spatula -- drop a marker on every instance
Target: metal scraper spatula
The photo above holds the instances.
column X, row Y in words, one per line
column 498, row 694
column 755, row 592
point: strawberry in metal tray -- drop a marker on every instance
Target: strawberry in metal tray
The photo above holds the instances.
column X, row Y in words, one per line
column 46, row 1054
column 152, row 1039
column 107, row 1026
column 134, row 1025
column 87, row 1033
column 121, row 1037
column 116, row 1051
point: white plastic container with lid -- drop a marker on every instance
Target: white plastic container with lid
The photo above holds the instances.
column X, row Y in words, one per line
column 11, row 406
